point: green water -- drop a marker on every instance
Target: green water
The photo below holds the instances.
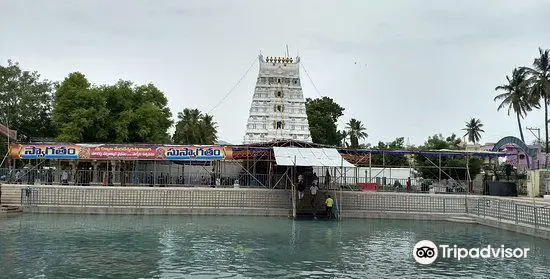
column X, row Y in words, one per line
column 96, row 246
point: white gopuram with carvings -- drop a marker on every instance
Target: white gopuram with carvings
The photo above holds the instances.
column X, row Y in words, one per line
column 278, row 109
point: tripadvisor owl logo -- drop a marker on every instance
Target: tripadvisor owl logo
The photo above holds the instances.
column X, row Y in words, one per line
column 426, row 252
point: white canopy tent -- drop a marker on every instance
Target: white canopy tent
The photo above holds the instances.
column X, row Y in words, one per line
column 311, row 157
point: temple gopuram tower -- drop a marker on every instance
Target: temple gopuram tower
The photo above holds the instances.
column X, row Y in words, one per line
column 278, row 109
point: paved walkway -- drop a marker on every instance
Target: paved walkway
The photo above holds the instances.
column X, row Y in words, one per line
column 523, row 199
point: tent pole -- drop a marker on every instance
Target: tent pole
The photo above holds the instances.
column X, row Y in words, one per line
column 293, row 189
column 370, row 167
column 440, row 169
column 340, row 198
column 468, row 177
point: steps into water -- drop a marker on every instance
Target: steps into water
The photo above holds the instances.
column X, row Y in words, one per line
column 461, row 219
column 10, row 209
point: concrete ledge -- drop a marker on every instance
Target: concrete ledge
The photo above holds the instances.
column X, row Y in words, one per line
column 510, row 226
column 125, row 210
column 360, row 214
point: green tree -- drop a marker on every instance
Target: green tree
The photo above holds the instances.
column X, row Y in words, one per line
column 80, row 111
column 390, row 160
column 454, row 166
column 356, row 132
column 539, row 79
column 322, row 115
column 516, row 96
column 194, row 127
column 343, row 135
column 25, row 101
column 119, row 113
column 473, row 130
column 141, row 111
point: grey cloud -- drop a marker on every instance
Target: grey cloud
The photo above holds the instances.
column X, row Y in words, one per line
column 431, row 64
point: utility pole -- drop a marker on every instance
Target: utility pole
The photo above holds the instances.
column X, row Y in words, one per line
column 539, row 143
column 538, row 133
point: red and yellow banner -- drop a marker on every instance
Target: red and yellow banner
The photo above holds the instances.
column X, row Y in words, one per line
column 45, row 151
column 107, row 152
column 119, row 152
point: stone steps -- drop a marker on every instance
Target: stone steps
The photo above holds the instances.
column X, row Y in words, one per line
column 461, row 219
column 10, row 209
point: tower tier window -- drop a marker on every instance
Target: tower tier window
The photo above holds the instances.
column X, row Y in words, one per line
column 279, row 125
column 279, row 94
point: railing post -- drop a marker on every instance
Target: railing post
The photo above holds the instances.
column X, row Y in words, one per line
column 139, row 204
column 535, row 215
column 84, row 202
column 110, row 197
column 498, row 210
column 517, row 219
column 444, row 203
column 485, row 208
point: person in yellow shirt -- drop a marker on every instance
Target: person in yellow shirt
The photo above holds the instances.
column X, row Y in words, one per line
column 328, row 206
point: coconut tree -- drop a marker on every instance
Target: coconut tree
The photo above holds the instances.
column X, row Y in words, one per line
column 193, row 127
column 516, row 96
column 539, row 80
column 356, row 132
column 208, row 129
column 473, row 130
column 344, row 138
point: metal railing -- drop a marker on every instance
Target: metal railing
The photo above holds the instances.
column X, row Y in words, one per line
column 510, row 211
column 142, row 178
column 94, row 196
column 498, row 209
column 221, row 179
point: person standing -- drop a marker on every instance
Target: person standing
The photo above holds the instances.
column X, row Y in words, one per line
column 64, row 178
column 408, row 185
column 301, row 186
column 315, row 180
column 18, row 177
column 327, row 179
column 329, row 202
column 313, row 190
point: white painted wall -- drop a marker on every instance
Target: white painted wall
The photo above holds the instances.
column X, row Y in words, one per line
column 274, row 78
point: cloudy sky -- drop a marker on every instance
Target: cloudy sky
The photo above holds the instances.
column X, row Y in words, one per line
column 403, row 67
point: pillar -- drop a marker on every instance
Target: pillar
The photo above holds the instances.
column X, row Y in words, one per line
column 73, row 172
column 113, row 171
column 57, row 173
column 95, row 172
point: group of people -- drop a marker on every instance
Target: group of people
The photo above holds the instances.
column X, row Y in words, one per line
column 301, row 187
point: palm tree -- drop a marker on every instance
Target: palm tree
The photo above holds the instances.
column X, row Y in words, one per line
column 356, row 131
column 343, row 135
column 195, row 128
column 208, row 129
column 516, row 96
column 473, row 130
column 539, row 79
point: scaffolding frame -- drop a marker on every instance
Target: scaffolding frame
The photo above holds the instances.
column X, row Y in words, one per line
column 249, row 157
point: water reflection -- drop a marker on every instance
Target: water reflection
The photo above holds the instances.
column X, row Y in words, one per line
column 92, row 246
